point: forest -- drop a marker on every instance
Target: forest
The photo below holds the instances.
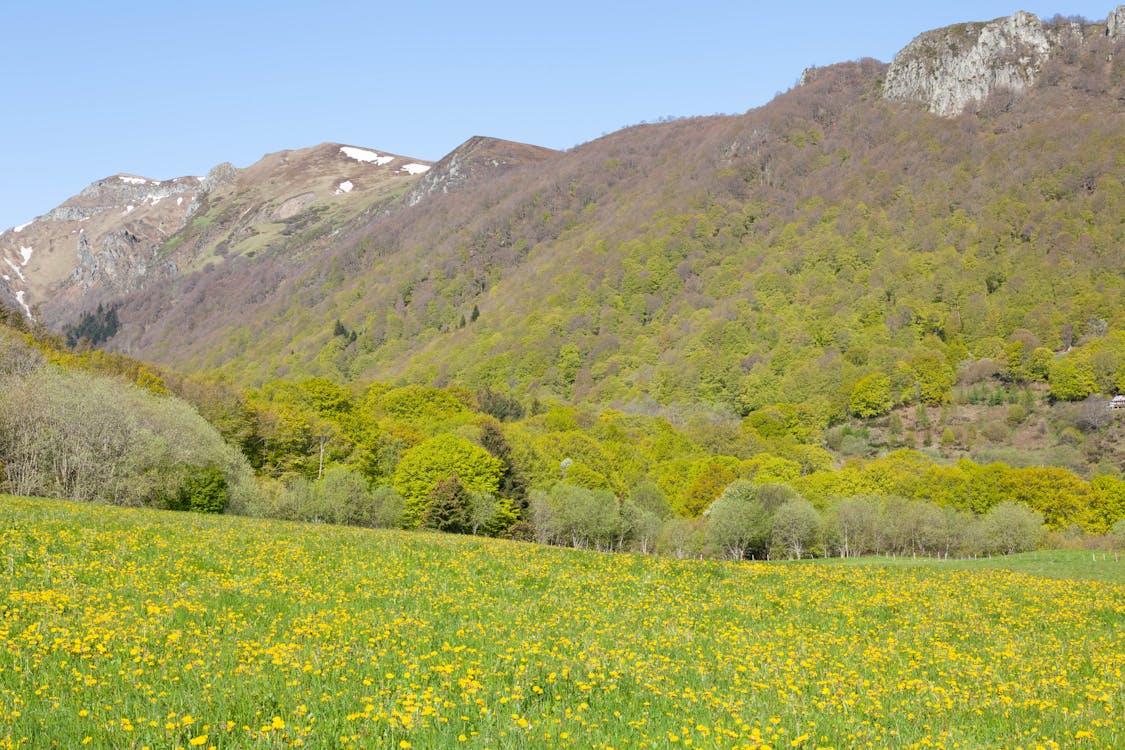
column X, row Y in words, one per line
column 91, row 425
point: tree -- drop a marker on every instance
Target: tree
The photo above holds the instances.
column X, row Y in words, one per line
column 204, row 490
column 447, row 508
column 489, row 515
column 1117, row 533
column 648, row 496
column 82, row 437
column 935, row 378
column 795, row 527
column 1011, row 527
column 857, row 525
column 439, row 458
column 740, row 521
column 343, row 497
column 387, row 507
column 639, row 526
column 1071, row 379
column 575, row 516
column 871, row 396
column 513, row 483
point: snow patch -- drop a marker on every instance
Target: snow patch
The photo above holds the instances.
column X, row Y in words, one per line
column 26, row 253
column 6, row 277
column 22, row 227
column 26, row 309
column 415, row 169
column 153, row 200
column 132, row 180
column 344, row 187
column 128, row 210
column 363, row 155
column 15, row 268
column 180, row 201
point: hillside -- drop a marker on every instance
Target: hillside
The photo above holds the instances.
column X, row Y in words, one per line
column 842, row 248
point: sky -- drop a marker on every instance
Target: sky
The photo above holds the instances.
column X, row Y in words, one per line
column 170, row 89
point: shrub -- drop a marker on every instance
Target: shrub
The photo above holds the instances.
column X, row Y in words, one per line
column 204, row 490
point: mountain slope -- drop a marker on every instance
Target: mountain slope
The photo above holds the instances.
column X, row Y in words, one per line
column 125, row 232
column 781, row 256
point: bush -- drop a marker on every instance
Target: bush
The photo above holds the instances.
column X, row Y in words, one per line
column 204, row 490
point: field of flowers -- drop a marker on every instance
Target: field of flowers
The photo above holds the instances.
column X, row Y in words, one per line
column 128, row 629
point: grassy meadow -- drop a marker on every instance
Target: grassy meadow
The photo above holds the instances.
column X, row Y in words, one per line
column 123, row 628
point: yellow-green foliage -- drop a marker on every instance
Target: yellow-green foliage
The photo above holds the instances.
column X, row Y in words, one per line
column 126, row 628
column 1062, row 497
column 443, row 457
column 871, row 396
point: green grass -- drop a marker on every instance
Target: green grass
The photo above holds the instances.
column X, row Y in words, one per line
column 1059, row 564
column 138, row 628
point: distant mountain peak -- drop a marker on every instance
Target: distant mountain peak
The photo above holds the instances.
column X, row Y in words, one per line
column 473, row 159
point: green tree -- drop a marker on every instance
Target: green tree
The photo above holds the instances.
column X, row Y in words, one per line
column 796, row 525
column 935, row 378
column 871, row 396
column 1071, row 379
column 740, row 521
column 575, row 516
column 1009, row 528
column 445, row 456
column 204, row 490
column 447, row 508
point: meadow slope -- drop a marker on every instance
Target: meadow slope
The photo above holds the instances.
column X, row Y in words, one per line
column 134, row 628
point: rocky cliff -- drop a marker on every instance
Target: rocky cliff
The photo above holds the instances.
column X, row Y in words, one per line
column 952, row 68
column 107, row 235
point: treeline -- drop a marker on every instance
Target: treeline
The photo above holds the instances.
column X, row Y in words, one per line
column 772, row 521
column 436, row 458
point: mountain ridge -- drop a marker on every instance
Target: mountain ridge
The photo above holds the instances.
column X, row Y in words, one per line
column 781, row 256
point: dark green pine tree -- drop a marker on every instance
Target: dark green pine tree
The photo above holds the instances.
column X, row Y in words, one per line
column 448, row 508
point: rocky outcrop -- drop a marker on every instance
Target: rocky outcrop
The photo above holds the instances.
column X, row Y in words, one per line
column 1115, row 24
column 952, row 68
column 220, row 174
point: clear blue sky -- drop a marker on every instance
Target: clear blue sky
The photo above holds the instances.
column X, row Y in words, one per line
column 168, row 89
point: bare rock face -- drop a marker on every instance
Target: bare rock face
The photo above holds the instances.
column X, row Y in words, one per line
column 106, row 235
column 953, row 67
column 1115, row 24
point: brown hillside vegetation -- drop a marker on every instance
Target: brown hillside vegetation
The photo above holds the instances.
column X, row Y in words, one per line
column 774, row 256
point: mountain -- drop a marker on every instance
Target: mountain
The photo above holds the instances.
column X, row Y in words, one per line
column 961, row 205
column 125, row 232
